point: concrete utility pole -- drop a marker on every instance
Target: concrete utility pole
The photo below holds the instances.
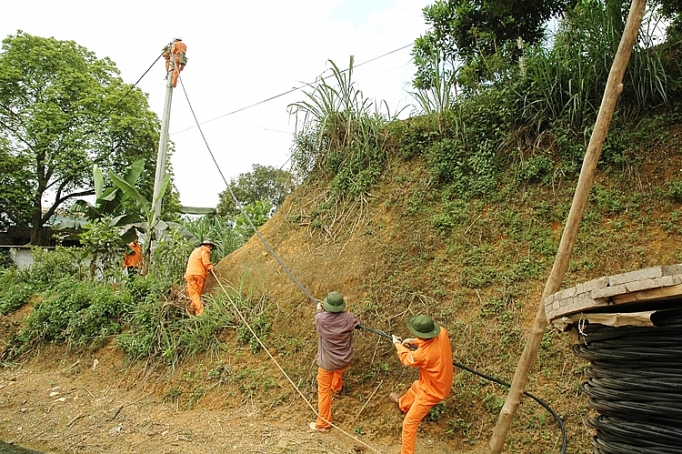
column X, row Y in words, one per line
column 613, row 90
column 163, row 141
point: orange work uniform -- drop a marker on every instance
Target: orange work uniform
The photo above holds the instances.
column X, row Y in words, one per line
column 179, row 50
column 334, row 355
column 133, row 258
column 198, row 266
column 434, row 359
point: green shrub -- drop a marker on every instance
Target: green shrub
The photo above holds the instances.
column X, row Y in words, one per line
column 14, row 297
column 50, row 267
column 78, row 313
column 5, row 259
column 537, row 169
column 674, row 191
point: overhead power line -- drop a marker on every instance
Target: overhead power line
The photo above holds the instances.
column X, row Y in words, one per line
column 289, row 91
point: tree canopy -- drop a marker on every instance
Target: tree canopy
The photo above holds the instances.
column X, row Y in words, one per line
column 264, row 183
column 476, row 34
column 62, row 110
column 468, row 30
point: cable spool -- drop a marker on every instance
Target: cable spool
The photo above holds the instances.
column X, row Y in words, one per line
column 635, row 384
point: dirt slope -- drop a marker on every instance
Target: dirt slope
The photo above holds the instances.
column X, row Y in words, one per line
column 384, row 255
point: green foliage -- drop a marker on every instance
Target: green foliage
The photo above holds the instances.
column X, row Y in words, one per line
column 563, row 85
column 77, row 313
column 265, row 183
column 255, row 214
column 259, row 318
column 467, row 160
column 13, row 292
column 102, row 239
column 341, row 135
column 5, row 259
column 161, row 330
column 49, row 268
column 473, row 32
column 674, row 191
column 169, row 257
column 414, row 135
column 537, row 169
column 65, row 110
column 221, row 230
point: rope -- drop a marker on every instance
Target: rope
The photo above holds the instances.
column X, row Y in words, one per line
column 293, row 385
column 635, row 384
column 499, row 382
column 241, row 208
column 314, row 300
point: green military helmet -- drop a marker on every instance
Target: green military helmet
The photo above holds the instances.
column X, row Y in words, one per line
column 423, row 326
column 334, row 302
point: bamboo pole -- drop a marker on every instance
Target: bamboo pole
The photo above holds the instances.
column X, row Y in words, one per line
column 613, row 90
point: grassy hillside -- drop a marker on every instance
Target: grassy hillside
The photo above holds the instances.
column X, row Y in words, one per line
column 477, row 266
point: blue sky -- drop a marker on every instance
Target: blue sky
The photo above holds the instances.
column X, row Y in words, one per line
column 239, row 53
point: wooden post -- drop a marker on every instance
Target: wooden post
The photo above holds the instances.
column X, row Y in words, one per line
column 613, row 90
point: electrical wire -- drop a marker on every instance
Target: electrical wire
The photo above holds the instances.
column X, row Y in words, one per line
column 289, row 91
column 635, row 384
column 315, row 300
column 544, row 404
column 241, row 208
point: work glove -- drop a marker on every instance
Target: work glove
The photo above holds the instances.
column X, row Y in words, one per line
column 410, row 343
column 319, row 307
column 396, row 339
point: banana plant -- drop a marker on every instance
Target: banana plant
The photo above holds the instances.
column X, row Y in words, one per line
column 107, row 203
column 146, row 218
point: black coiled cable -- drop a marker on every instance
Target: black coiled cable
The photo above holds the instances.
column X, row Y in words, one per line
column 635, row 384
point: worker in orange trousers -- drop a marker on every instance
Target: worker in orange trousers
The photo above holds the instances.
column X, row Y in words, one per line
column 198, row 267
column 433, row 357
column 132, row 259
column 334, row 353
column 179, row 59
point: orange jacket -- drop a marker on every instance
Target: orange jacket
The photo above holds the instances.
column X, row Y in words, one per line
column 179, row 47
column 133, row 258
column 199, row 262
column 434, row 359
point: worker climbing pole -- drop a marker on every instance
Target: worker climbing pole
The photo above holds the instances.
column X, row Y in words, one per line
column 179, row 51
column 175, row 55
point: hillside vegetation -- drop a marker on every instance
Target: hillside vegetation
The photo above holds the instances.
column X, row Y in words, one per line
column 456, row 212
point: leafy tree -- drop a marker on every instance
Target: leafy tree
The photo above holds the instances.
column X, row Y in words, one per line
column 263, row 183
column 483, row 35
column 61, row 111
column 471, row 31
column 258, row 213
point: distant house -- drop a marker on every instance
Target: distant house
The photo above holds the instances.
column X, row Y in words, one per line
column 16, row 241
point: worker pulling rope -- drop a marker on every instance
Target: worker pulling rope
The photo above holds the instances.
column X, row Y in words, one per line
column 499, row 382
column 316, row 301
column 291, row 382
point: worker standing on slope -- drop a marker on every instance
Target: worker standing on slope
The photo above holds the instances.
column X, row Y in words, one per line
column 334, row 353
column 433, row 357
column 198, row 267
column 179, row 59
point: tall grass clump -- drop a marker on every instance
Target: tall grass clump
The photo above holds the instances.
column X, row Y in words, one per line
column 343, row 134
column 159, row 329
column 14, row 293
column 564, row 82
